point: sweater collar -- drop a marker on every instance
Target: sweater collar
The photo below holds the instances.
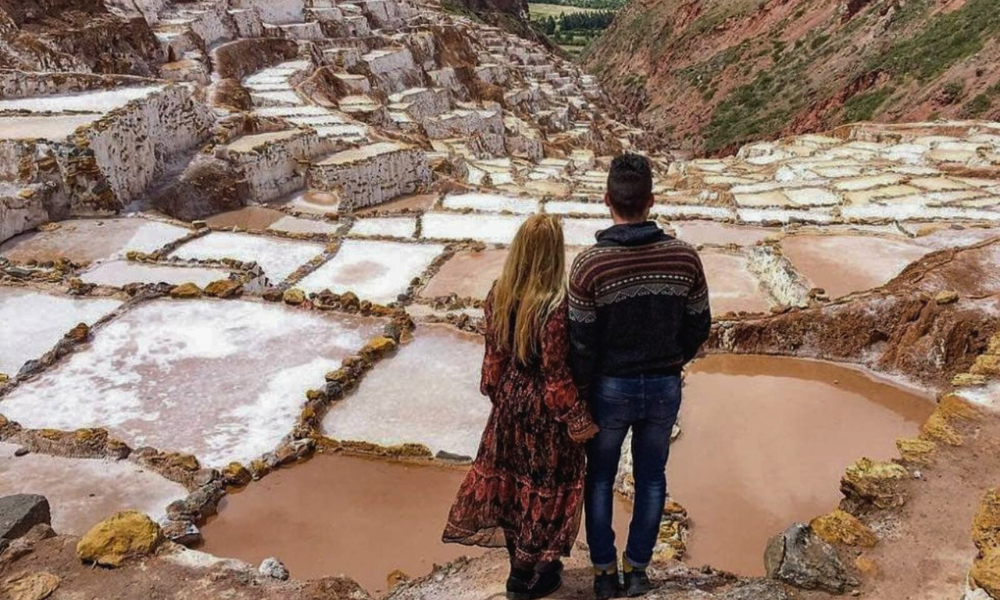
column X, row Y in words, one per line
column 632, row 234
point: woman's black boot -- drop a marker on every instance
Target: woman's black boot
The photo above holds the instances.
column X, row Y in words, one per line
column 519, row 584
column 546, row 583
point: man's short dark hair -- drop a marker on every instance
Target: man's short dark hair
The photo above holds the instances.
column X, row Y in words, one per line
column 630, row 185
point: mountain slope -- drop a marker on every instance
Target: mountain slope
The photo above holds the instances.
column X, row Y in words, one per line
column 713, row 74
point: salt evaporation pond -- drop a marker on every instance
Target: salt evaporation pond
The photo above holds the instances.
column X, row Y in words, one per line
column 731, row 284
column 83, row 492
column 490, row 229
column 223, row 380
column 428, row 393
column 119, row 273
column 34, row 322
column 316, row 516
column 374, row 270
column 843, row 264
column 337, row 514
column 279, row 258
column 765, row 441
column 764, row 444
column 88, row 240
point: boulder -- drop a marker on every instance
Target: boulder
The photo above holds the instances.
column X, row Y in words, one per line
column 208, row 186
column 79, row 334
column 30, row 586
column 274, row 569
column 986, row 573
column 801, row 559
column 946, row 297
column 182, row 532
column 986, row 525
column 757, row 589
column 20, row 513
column 868, row 482
column 185, row 291
column 294, row 297
column 128, row 534
column 236, row 475
column 916, row 451
column 840, row 527
column 378, row 348
column 224, row 288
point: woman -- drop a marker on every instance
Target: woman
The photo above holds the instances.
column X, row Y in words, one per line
column 525, row 489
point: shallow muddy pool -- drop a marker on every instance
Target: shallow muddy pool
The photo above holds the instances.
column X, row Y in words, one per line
column 765, row 441
column 343, row 514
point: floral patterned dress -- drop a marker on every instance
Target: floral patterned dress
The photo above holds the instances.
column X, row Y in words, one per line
column 525, row 488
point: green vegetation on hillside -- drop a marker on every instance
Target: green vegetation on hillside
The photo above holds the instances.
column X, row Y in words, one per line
column 591, row 4
column 947, row 39
column 862, row 107
column 572, row 28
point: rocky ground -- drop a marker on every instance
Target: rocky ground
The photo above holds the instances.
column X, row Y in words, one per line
column 237, row 233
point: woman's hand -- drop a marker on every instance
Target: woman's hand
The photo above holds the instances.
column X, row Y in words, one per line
column 586, row 434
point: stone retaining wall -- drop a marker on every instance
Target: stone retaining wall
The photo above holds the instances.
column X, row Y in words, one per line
column 371, row 175
column 272, row 169
column 28, row 84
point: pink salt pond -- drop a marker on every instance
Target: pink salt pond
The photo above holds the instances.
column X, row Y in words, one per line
column 765, row 441
column 731, row 284
column 844, row 264
column 82, row 492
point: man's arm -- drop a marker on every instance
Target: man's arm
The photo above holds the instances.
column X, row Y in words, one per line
column 583, row 332
column 697, row 321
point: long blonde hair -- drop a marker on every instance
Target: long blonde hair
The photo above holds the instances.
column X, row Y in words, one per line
column 531, row 287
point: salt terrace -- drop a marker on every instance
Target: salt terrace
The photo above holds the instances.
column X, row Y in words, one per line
column 212, row 276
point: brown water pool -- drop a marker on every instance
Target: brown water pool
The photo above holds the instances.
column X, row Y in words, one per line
column 765, row 441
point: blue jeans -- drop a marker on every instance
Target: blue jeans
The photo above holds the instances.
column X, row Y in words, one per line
column 649, row 406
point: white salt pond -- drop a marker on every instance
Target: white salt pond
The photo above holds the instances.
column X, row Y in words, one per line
column 397, row 227
column 97, row 101
column 583, row 232
column 428, row 393
column 119, row 273
column 223, row 380
column 83, row 492
column 279, row 258
column 374, row 270
column 289, row 224
column 34, row 322
column 491, row 229
column 89, row 240
column 731, row 284
column 491, row 203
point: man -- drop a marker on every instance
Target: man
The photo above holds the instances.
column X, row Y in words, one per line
column 638, row 313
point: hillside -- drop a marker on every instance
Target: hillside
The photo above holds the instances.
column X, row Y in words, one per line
column 713, row 74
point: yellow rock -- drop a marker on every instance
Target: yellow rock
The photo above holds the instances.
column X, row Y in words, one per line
column 946, row 297
column 4, row 378
column 874, row 482
column 30, row 586
column 396, row 577
column 986, row 364
column 986, row 525
column 186, row 290
column 968, row 380
column 938, row 429
column 186, row 462
column 916, row 451
column 378, row 347
column 986, row 572
column 840, row 527
column 224, row 288
column 127, row 534
column 994, row 346
column 236, row 474
column 294, row 297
